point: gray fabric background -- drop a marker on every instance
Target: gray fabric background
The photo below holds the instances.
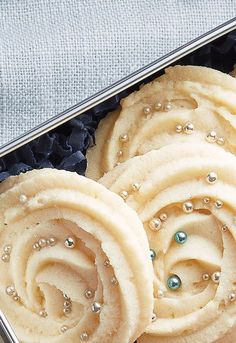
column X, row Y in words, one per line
column 56, row 53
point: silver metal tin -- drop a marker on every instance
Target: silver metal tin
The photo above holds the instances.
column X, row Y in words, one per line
column 6, row 331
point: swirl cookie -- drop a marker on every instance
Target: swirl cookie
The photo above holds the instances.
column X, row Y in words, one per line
column 186, row 104
column 75, row 262
column 185, row 196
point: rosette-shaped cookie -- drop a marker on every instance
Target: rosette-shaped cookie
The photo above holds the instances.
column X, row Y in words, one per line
column 185, row 196
column 75, row 263
column 187, row 103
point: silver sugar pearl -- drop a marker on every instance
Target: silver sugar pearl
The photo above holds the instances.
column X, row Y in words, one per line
column 216, row 277
column 188, row 128
column 96, row 307
column 84, row 336
column 211, row 178
column 70, row 243
column 205, row 277
column 10, row 290
column 64, row 328
column 23, row 198
column 188, row 207
column 155, row 224
column 179, row 128
column 211, row 137
column 218, row 204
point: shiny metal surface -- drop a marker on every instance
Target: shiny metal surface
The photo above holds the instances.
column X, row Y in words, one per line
column 6, row 332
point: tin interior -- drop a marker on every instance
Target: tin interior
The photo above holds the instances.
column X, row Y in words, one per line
column 216, row 49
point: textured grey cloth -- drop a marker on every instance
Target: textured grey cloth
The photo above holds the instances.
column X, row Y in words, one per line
column 55, row 53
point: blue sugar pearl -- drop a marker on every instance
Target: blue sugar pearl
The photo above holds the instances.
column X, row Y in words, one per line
column 152, row 254
column 180, row 237
column 174, row 282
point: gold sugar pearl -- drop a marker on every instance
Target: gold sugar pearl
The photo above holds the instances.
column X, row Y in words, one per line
column 205, row 277
column 120, row 153
column 124, row 138
column 114, row 280
column 211, row 137
column 206, row 200
column 167, row 106
column 220, row 141
column 124, row 195
column 7, row 249
column 147, row 110
column 23, row 198
column 107, row 263
column 36, row 246
column 51, row 241
column 136, row 186
column 6, row 257
column 67, row 310
column 224, row 228
column 42, row 242
column 84, row 337
column 232, row 297
column 155, row 224
column 89, row 294
column 158, row 106
column 218, row 204
column 43, row 313
column 179, row 128
column 160, row 294
column 16, row 298
column 163, row 216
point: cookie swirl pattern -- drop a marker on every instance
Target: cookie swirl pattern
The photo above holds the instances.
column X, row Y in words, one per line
column 185, row 196
column 186, row 104
column 74, row 263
